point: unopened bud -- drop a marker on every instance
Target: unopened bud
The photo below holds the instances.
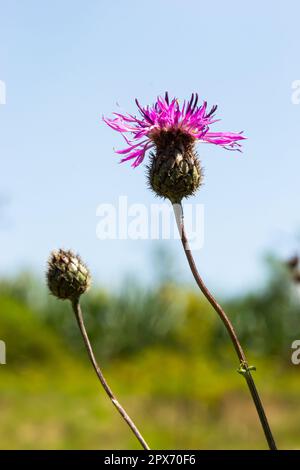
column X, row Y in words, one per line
column 67, row 275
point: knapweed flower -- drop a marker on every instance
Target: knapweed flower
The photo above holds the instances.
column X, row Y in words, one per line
column 172, row 131
column 67, row 275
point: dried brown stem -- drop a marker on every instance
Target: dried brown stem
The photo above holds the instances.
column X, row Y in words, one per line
column 244, row 367
column 127, row 419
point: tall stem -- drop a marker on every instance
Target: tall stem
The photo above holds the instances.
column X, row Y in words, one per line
column 127, row 419
column 178, row 211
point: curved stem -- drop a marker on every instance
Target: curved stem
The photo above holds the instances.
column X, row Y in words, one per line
column 80, row 321
column 178, row 211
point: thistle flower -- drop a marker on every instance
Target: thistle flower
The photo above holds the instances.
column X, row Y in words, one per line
column 172, row 131
column 67, row 275
column 174, row 172
column 68, row 278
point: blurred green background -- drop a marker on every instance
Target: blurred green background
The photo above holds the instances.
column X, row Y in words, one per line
column 162, row 348
column 165, row 354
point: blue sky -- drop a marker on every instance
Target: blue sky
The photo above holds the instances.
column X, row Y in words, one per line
column 65, row 64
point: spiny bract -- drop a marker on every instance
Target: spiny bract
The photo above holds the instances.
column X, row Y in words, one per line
column 67, row 275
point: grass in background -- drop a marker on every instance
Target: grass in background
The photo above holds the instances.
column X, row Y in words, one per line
column 165, row 355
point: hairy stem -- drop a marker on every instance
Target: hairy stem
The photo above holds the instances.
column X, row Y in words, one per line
column 244, row 367
column 127, row 419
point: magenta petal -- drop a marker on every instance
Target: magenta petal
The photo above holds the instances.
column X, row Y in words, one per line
column 132, row 155
column 166, row 114
column 122, row 152
column 222, row 138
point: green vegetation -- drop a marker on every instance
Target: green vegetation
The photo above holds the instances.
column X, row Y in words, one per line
column 166, row 356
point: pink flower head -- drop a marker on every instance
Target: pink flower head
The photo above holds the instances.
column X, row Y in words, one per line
column 166, row 115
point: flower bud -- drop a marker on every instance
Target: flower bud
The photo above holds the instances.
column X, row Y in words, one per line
column 293, row 262
column 67, row 275
column 174, row 172
column 296, row 277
